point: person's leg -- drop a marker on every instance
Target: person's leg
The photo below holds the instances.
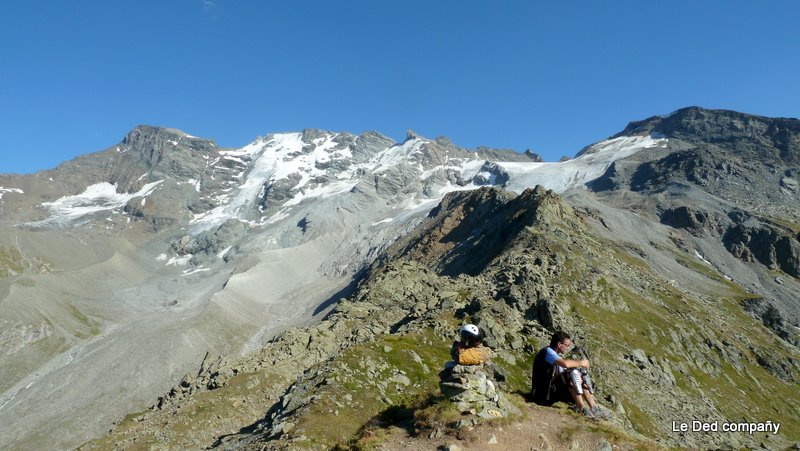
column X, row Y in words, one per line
column 589, row 399
column 565, row 393
column 576, row 398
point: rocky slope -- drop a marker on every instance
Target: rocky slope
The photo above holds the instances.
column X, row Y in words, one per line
column 726, row 184
column 130, row 264
column 661, row 353
column 144, row 263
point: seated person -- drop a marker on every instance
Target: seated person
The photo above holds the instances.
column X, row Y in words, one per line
column 556, row 379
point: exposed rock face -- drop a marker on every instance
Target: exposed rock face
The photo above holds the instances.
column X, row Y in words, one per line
column 771, row 246
column 469, row 229
column 167, row 152
column 694, row 221
column 756, row 137
column 772, row 318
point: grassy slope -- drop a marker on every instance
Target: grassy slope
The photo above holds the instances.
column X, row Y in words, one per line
column 713, row 356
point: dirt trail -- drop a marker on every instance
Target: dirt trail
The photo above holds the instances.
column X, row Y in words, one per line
column 541, row 428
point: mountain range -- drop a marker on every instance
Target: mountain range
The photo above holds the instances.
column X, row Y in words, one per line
column 251, row 288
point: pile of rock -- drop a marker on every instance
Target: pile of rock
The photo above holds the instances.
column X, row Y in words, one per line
column 475, row 393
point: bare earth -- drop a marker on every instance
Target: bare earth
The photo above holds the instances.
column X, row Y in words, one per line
column 541, row 428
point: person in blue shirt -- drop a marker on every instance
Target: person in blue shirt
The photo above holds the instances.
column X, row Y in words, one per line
column 549, row 385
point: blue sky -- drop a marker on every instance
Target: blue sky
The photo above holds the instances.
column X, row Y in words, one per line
column 550, row 76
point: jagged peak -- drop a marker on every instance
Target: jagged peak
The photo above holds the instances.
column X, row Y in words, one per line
column 374, row 134
column 147, row 137
column 310, row 134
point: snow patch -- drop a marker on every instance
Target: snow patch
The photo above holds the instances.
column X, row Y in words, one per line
column 11, row 190
column 264, row 154
column 189, row 272
column 700, row 256
column 562, row 176
column 194, row 182
column 183, row 260
column 283, row 214
column 330, row 189
column 98, row 197
column 396, row 154
column 285, row 156
column 234, row 158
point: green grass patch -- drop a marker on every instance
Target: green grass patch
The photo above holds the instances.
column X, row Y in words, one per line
column 518, row 372
column 734, row 289
column 89, row 327
column 641, row 421
column 739, row 398
column 371, row 383
column 794, row 227
column 648, row 324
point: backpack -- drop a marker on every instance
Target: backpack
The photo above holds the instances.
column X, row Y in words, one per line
column 474, row 356
column 541, row 378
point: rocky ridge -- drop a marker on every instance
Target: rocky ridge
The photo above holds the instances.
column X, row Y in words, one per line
column 382, row 347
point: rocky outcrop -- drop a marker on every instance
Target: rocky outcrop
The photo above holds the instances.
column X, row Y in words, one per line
column 218, row 242
column 699, row 166
column 774, row 247
column 694, row 221
column 469, row 229
column 772, row 318
column 508, row 155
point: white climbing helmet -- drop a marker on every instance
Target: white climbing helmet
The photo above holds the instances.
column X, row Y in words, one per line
column 469, row 331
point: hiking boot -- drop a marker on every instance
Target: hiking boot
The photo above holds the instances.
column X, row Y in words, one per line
column 600, row 414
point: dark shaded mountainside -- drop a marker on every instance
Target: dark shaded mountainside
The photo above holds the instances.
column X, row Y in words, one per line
column 677, row 269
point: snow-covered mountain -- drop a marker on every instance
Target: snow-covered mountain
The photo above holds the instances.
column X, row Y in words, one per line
column 276, row 173
column 123, row 270
column 124, row 267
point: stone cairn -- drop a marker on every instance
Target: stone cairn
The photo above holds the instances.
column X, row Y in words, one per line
column 474, row 392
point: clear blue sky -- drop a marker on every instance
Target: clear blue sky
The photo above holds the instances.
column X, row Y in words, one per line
column 552, row 76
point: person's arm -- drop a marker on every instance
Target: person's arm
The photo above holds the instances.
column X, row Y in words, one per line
column 456, row 350
column 584, row 363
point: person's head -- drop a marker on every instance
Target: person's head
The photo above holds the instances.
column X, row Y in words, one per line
column 470, row 334
column 560, row 342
